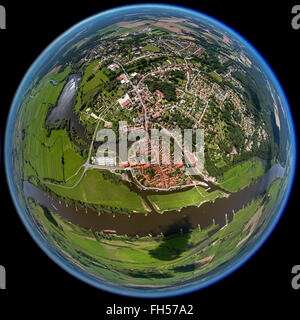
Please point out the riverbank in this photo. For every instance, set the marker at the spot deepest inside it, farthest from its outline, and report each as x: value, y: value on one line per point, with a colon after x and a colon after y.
x: 156, y: 223
x: 138, y: 261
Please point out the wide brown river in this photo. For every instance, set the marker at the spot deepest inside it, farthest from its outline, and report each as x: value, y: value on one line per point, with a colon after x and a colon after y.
x: 154, y: 223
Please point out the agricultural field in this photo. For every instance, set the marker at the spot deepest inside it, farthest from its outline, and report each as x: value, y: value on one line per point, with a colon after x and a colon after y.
x: 45, y: 152
x: 116, y: 258
x: 242, y: 175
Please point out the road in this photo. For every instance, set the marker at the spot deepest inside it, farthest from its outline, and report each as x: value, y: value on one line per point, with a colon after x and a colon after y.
x: 135, y: 88
x: 86, y: 165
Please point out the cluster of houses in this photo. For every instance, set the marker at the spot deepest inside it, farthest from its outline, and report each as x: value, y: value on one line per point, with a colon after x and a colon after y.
x: 152, y: 106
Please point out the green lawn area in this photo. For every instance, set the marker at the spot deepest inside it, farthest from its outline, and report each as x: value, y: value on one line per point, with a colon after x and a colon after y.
x: 228, y: 241
x: 117, y: 258
x: 221, y: 163
x: 242, y: 175
x: 46, y: 156
x: 72, y: 161
x: 151, y: 48
x: 93, y: 77
x: 94, y: 188
x: 159, y: 260
x: 99, y: 77
x: 217, y: 77
x: 73, y: 237
x: 176, y: 201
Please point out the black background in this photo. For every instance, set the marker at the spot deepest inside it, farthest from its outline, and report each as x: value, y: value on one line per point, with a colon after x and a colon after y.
x: 263, y: 284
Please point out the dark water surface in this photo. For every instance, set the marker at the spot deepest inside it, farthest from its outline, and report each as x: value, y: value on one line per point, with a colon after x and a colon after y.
x: 155, y: 223
x: 64, y: 107
x: 138, y: 223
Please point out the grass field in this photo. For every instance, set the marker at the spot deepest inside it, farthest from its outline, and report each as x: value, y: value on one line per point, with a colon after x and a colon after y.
x: 157, y: 261
x: 217, y: 77
x: 119, y: 259
x: 178, y: 200
x: 100, y: 77
x: 46, y: 157
x: 56, y: 158
x: 90, y: 86
x: 45, y: 153
x: 242, y: 175
x: 110, y: 28
x: 229, y: 241
x: 94, y: 188
x: 73, y: 161
x: 151, y: 48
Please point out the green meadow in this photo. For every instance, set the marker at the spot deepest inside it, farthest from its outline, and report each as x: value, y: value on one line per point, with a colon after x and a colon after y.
x: 242, y: 175
x: 54, y: 158
x: 96, y: 189
x: 176, y: 201
x: 45, y: 153
x: 216, y: 76
x: 151, y: 48
x: 161, y: 260
x: 94, y: 77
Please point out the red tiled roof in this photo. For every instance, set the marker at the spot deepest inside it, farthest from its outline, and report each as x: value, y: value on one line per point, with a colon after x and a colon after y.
x: 160, y: 93
x: 125, y: 103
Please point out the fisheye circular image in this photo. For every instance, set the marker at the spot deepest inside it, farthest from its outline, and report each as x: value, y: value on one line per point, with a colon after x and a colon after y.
x: 150, y: 150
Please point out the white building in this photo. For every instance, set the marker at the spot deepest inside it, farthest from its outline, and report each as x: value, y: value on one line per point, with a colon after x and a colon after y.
x: 124, y: 101
x: 104, y: 161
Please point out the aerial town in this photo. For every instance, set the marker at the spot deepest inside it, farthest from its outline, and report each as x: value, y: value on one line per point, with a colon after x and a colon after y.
x: 149, y: 148
x: 159, y: 81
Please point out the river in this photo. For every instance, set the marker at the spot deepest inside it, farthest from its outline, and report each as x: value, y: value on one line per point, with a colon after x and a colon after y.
x: 155, y: 223
x: 138, y: 223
